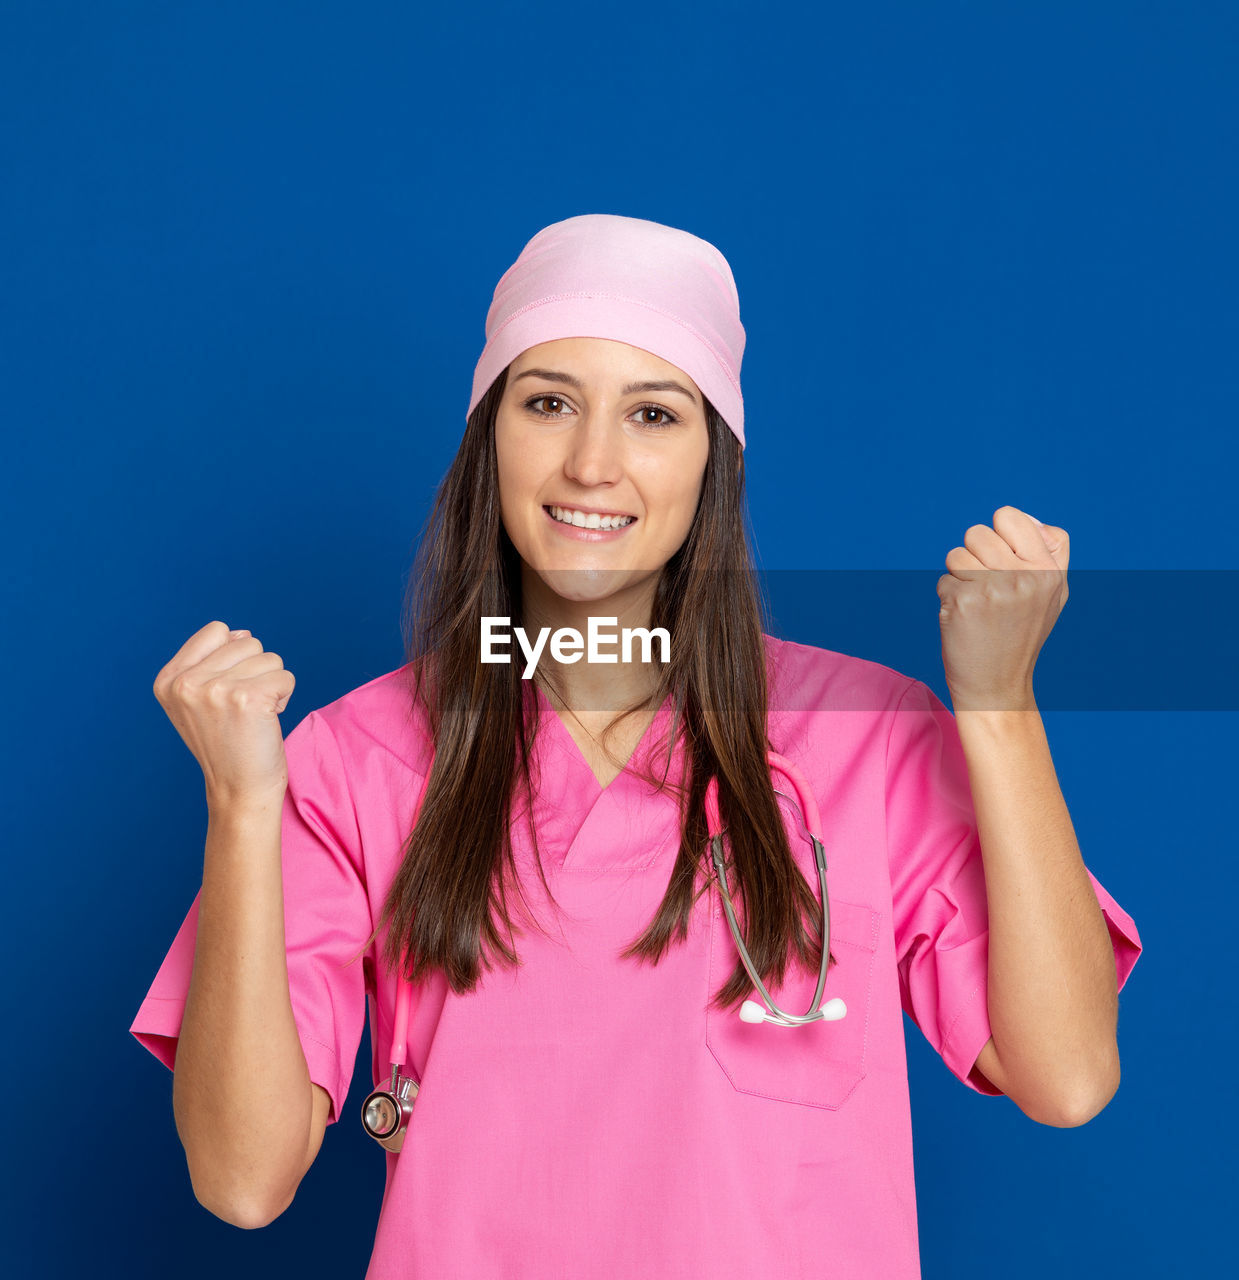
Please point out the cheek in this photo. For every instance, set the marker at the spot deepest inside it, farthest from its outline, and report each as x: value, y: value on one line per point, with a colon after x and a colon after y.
x: 688, y: 496
x: 508, y: 454
x: 509, y: 495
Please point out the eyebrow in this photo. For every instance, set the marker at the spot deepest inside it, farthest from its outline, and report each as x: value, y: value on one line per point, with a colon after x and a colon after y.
x: 551, y: 375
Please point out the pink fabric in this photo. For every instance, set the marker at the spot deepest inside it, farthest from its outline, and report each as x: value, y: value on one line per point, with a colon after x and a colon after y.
x: 600, y: 275
x: 569, y: 1108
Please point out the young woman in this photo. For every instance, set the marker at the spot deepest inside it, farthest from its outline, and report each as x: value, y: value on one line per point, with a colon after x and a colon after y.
x: 536, y: 872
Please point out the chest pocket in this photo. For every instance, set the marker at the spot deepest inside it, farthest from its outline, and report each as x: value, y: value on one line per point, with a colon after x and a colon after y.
x: 818, y: 1065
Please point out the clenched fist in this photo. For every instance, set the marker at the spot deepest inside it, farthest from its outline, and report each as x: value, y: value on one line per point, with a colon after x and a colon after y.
x: 224, y: 695
x: 1003, y: 594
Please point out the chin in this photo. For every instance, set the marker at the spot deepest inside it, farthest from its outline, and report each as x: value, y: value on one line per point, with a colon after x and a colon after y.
x: 583, y: 585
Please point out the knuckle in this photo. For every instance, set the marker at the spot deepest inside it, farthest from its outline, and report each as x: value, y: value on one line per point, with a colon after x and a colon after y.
x: 214, y: 691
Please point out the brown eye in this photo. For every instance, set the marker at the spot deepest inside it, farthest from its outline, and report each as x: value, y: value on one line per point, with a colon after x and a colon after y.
x: 668, y: 418
x: 538, y: 401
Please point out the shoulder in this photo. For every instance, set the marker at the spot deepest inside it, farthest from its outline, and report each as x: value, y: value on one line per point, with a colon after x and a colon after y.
x: 805, y: 677
x: 378, y: 717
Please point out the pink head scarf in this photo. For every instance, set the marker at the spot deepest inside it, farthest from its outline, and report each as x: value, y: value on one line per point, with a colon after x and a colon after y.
x: 601, y: 275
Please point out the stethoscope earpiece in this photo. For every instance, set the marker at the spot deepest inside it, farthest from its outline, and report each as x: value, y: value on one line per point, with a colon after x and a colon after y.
x: 831, y: 1011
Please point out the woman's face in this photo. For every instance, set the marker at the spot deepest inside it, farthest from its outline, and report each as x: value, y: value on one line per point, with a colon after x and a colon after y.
x: 580, y: 435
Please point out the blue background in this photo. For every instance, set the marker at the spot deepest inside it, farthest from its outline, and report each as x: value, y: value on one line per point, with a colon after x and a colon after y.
x: 985, y: 255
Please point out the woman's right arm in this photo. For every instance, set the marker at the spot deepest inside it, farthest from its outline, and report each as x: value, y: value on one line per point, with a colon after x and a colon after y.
x: 248, y: 1116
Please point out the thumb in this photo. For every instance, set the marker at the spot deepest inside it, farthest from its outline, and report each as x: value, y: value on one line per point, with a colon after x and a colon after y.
x: 1050, y: 534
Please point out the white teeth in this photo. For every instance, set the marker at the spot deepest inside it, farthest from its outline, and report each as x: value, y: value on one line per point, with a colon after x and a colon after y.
x: 565, y: 515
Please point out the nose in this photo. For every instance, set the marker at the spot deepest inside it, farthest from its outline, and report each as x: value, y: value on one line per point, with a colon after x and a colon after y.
x: 595, y: 452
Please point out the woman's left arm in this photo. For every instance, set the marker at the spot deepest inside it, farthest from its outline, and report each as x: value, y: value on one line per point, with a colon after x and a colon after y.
x: 1052, y: 990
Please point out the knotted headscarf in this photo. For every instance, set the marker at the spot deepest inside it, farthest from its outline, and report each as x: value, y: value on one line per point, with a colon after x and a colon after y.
x: 602, y: 275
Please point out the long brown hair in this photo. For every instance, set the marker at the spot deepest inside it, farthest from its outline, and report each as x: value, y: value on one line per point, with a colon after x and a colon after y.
x: 448, y: 903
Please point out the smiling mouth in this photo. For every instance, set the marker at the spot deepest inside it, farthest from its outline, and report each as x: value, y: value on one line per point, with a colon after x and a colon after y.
x: 588, y: 519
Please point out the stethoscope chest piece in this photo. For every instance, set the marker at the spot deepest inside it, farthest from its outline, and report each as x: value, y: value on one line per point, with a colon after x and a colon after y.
x: 385, y: 1113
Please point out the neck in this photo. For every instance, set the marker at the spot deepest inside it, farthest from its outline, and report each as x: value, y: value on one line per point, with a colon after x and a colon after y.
x: 584, y: 686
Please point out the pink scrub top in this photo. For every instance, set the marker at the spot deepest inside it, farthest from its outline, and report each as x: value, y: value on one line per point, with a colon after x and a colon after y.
x: 589, y: 1116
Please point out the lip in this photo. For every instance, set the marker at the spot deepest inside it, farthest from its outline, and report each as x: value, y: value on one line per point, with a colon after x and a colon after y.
x: 571, y: 532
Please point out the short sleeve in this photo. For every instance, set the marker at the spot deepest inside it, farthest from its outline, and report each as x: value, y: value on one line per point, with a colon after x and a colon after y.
x: 941, y: 916
x: 326, y: 921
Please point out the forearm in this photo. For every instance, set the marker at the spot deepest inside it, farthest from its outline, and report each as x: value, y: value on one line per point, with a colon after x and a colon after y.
x: 241, y: 1090
x: 1053, y: 1002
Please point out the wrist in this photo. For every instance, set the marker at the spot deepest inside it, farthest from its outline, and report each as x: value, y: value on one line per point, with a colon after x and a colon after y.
x: 245, y: 809
x: 992, y: 702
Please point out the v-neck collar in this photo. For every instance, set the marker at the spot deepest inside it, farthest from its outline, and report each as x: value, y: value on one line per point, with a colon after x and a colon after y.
x: 584, y: 826
x: 560, y: 737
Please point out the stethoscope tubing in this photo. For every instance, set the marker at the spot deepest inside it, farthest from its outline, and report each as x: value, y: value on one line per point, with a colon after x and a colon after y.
x: 813, y: 823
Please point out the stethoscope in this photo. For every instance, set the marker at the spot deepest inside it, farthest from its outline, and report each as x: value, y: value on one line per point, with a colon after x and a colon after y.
x: 750, y: 1010
x: 385, y: 1113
